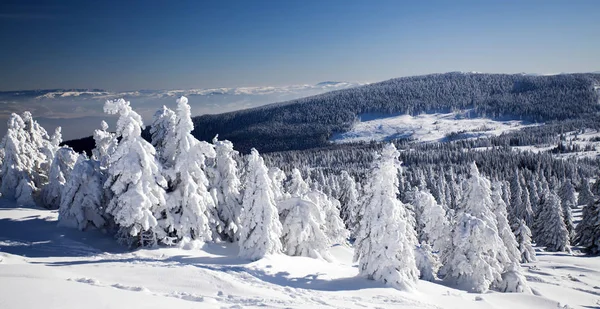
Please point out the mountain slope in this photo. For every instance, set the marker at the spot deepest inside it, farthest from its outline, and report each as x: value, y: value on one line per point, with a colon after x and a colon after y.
x: 311, y: 121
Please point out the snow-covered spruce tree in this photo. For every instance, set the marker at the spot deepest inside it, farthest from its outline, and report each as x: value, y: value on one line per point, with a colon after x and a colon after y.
x: 82, y: 202
x: 161, y: 130
x: 550, y: 229
x: 431, y: 223
x: 296, y: 186
x: 567, y: 194
x: 19, y: 161
x: 60, y: 170
x: 190, y: 212
x: 349, y: 202
x: 106, y: 144
x: 38, y: 139
x: 477, y: 249
x: 260, y: 229
x: 225, y: 187
x: 585, y: 194
x: 302, y: 233
x: 277, y: 177
x: 427, y: 262
x: 588, y: 230
x: 134, y: 178
x: 334, y: 228
x: 523, y: 237
x: 504, y: 230
x: 385, y: 243
x: 520, y: 205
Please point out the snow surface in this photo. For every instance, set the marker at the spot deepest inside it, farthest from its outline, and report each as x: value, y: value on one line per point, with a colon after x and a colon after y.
x: 44, y: 266
x: 425, y: 127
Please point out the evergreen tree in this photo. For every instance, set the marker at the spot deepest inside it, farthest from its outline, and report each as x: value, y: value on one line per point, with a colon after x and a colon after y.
x: 296, y: 186
x: 504, y: 230
x: 134, y: 178
x: 260, y: 229
x: 477, y: 249
x: 585, y: 194
x: 60, y: 170
x: 106, y: 144
x: 588, y: 230
x: 349, y: 202
x: 161, y: 131
x: 226, y: 186
x: 432, y: 225
x: 386, y: 241
x: 550, y: 229
x: 523, y: 237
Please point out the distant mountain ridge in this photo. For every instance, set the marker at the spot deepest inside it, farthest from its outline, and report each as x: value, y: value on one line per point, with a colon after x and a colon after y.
x: 310, y: 122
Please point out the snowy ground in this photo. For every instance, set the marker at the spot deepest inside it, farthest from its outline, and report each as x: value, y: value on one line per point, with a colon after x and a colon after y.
x: 424, y: 127
x: 43, y: 266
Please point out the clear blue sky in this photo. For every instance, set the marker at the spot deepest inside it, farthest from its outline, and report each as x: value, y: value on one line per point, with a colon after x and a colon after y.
x: 126, y: 45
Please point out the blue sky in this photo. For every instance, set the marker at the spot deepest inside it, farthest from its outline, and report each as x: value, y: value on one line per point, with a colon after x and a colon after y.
x: 129, y: 45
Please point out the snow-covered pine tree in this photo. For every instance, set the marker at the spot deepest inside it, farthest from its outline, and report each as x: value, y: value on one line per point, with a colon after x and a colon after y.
x: 585, y: 194
x: 334, y: 228
x: 427, y: 262
x: 226, y: 188
x: 60, y: 170
x: 190, y: 212
x: 567, y: 194
x: 385, y: 243
x: 19, y: 162
x: 296, y: 186
x: 260, y: 229
x: 277, y: 177
x: 504, y: 230
x: 431, y: 223
x: 38, y: 139
x: 302, y: 234
x: 477, y: 249
x: 550, y: 229
x: 106, y: 144
x: 82, y: 202
x: 349, y: 202
x: 588, y: 230
x: 523, y: 237
x: 161, y: 130
x: 134, y: 178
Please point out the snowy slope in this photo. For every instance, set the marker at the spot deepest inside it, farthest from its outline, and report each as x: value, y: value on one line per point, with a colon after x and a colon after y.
x: 425, y: 127
x: 43, y: 266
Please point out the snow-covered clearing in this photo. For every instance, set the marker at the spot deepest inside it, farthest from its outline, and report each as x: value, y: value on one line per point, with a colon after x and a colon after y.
x: 425, y: 127
x: 43, y: 266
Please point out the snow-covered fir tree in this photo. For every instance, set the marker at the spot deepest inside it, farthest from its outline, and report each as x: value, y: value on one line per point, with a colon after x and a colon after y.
x: 18, y: 165
x: 302, y: 233
x: 190, y: 211
x: 427, y: 263
x: 585, y: 194
x: 260, y: 229
x: 504, y: 229
x: 82, y: 202
x: 225, y: 187
x: 385, y: 243
x: 277, y: 177
x: 349, y: 202
x: 106, y: 144
x: 161, y: 130
x: 134, y: 178
x: 334, y: 228
x: 477, y: 249
x: 523, y: 237
x: 60, y: 170
x: 550, y: 229
x: 431, y: 222
x: 588, y: 230
x: 296, y: 186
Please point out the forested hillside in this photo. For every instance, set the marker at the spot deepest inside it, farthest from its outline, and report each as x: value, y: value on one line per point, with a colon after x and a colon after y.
x: 310, y: 122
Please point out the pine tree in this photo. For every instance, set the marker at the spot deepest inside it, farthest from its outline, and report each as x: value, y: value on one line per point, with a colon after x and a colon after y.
x: 550, y: 229
x: 523, y: 237
x: 349, y: 202
x: 302, y: 234
x: 477, y: 249
x: 82, y: 200
x: 431, y: 223
x: 134, y: 178
x: 334, y: 228
x: 277, y: 177
x: 60, y: 170
x: 588, y: 230
x: 296, y: 186
x: 585, y: 194
x: 226, y: 186
x: 260, y: 229
x: 386, y: 241
x: 161, y: 131
x: 504, y: 230
x: 106, y: 144
x: 190, y: 212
